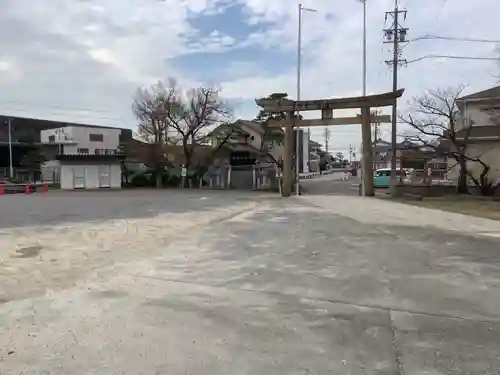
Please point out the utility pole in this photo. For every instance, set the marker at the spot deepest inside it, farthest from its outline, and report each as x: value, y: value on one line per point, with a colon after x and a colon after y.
x: 395, y: 35
x: 364, y: 80
x: 327, y: 137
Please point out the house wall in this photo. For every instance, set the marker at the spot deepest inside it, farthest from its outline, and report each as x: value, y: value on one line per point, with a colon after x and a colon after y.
x: 62, y: 135
x: 478, y: 113
x: 91, y: 175
x: 76, y: 139
x: 277, y: 151
x: 489, y: 152
x: 255, y: 138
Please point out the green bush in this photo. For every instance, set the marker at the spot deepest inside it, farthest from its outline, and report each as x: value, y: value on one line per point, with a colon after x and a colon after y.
x: 143, y: 180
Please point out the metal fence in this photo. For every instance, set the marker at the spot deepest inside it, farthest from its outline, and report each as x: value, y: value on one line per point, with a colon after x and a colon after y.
x: 247, y: 177
x: 19, y: 174
x: 50, y: 174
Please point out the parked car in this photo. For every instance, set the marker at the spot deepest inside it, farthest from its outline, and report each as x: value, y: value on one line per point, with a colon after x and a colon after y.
x: 382, y: 177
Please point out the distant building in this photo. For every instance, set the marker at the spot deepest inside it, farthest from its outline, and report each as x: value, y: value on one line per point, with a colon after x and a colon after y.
x: 83, y: 157
x: 82, y: 140
x: 29, y: 133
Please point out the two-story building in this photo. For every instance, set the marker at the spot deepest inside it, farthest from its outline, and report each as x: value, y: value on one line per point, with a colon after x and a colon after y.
x: 21, y: 135
x: 82, y: 140
x: 83, y: 157
x: 479, y: 126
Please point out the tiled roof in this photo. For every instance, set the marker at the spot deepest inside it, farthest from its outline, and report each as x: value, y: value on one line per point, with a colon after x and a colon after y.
x: 494, y: 92
x: 89, y: 157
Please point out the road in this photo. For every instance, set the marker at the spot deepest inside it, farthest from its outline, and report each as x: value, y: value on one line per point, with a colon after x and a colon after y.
x: 240, y: 283
x: 331, y: 184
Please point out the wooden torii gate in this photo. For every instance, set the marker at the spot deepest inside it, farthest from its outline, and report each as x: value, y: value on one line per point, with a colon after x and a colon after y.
x: 326, y: 107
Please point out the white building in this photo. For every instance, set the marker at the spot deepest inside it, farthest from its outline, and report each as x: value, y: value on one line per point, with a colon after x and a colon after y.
x: 83, y: 157
x: 83, y: 140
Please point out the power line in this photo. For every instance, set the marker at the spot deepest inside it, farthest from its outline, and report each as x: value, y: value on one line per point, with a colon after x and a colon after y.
x: 17, y: 102
x: 456, y: 39
x: 432, y: 56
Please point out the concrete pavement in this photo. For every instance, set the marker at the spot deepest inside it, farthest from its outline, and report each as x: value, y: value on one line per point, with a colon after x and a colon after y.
x: 331, y: 184
x: 310, y: 285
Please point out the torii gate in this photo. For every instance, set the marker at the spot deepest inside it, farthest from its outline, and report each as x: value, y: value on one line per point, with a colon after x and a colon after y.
x: 326, y: 107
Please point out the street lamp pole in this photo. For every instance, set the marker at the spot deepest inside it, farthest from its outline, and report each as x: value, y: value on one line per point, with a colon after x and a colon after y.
x: 364, y: 80
x: 299, y: 63
x: 364, y: 46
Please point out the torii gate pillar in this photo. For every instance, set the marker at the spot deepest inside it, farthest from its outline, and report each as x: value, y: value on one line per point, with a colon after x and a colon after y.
x: 367, y: 161
x: 288, y: 159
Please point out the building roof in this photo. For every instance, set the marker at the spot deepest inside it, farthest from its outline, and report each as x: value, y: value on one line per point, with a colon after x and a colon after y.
x: 50, y: 124
x: 314, y: 144
x: 89, y: 158
x: 23, y: 128
x: 493, y: 92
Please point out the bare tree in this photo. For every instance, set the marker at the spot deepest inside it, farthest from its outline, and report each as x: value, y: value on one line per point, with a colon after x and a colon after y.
x: 151, y: 106
x: 192, y: 114
x: 436, y: 124
x: 433, y: 119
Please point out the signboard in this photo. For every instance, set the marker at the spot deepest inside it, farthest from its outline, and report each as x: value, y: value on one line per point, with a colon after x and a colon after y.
x: 183, y: 172
x: 326, y: 114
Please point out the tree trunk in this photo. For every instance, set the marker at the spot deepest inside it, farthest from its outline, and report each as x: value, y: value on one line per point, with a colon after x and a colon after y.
x: 462, y: 187
x: 159, y: 177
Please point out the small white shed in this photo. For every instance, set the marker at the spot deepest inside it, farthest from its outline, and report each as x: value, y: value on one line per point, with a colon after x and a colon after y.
x: 90, y: 172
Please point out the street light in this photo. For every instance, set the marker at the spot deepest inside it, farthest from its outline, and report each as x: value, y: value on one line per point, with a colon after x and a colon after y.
x: 364, y: 77
x: 297, y: 129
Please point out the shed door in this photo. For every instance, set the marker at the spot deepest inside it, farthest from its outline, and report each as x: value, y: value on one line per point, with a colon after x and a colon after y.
x: 104, y: 176
x: 78, y: 177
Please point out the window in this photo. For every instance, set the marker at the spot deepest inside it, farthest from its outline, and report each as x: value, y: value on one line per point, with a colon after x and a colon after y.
x: 83, y: 150
x: 52, y: 138
x: 109, y: 151
x: 98, y: 151
x: 96, y: 137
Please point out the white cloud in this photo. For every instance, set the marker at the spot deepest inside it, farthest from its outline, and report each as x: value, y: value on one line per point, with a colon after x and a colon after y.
x: 63, y: 55
x: 332, y: 54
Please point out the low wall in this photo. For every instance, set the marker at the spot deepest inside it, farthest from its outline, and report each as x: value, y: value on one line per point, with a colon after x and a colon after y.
x: 430, y: 190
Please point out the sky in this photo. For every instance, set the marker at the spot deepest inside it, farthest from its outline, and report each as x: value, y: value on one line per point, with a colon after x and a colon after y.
x: 81, y: 60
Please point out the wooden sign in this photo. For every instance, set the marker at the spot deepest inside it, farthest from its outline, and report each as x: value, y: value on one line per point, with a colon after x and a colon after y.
x: 326, y: 114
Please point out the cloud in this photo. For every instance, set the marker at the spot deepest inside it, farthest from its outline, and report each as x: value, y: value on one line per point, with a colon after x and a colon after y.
x: 81, y: 60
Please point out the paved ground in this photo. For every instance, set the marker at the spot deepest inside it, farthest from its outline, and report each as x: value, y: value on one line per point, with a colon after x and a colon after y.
x: 310, y: 285
x: 332, y: 184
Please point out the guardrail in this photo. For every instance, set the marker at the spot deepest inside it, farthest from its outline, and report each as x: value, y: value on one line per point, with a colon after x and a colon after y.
x: 23, y: 188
